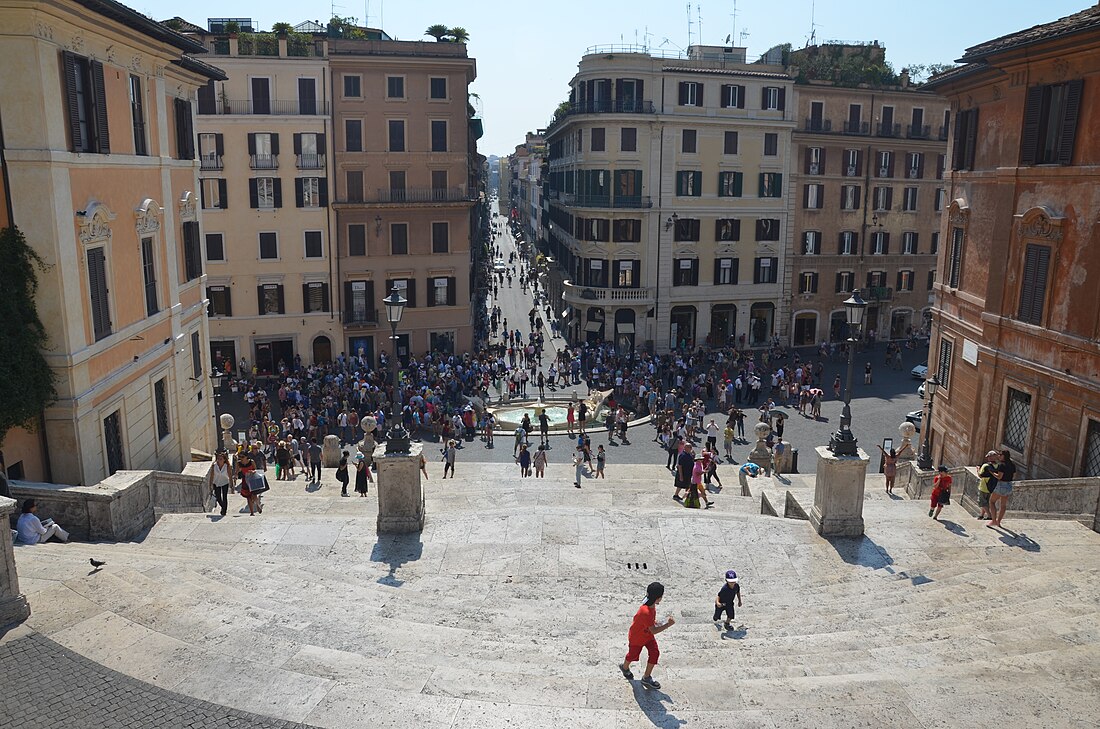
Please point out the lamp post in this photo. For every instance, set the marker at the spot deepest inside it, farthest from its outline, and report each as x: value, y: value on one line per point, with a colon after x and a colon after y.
x: 843, y: 443
x: 397, y: 438
x: 924, y: 461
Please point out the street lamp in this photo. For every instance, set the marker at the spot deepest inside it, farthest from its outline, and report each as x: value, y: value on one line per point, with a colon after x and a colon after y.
x: 843, y: 443
x: 924, y: 461
x: 397, y: 439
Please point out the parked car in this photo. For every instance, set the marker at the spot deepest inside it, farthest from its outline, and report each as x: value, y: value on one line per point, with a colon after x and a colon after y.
x: 915, y: 418
x: 920, y: 372
x: 920, y: 390
x: 498, y: 265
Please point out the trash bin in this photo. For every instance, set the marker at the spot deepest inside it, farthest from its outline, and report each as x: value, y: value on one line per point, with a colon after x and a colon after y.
x: 794, y: 460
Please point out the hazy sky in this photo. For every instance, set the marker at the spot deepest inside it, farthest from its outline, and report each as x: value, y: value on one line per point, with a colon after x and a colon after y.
x: 527, y: 52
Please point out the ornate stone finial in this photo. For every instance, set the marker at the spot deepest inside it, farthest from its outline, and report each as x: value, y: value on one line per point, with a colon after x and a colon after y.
x: 187, y: 206
x: 95, y: 223
x: 148, y: 216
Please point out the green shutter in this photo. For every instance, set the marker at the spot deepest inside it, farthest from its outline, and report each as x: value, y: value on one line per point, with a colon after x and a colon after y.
x: 698, y: 179
x: 738, y: 183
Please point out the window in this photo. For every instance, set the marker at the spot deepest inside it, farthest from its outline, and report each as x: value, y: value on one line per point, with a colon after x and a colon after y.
x: 627, y: 274
x: 773, y: 98
x: 811, y: 243
x: 1017, y: 427
x: 269, y: 246
x: 271, y: 299
x: 627, y: 231
x: 313, y: 245
x: 309, y: 147
x: 876, y: 279
x: 354, y: 183
x: 845, y: 281
x: 730, y: 184
x: 598, y: 139
x: 307, y: 96
x: 767, y: 229
x: 112, y: 442
x: 914, y: 164
x: 405, y: 287
x: 954, y: 261
x: 595, y: 273
x: 311, y: 192
x: 395, y: 87
x: 885, y: 164
x: 771, y: 184
x: 813, y: 197
x: 192, y: 251
x: 353, y: 135
x: 86, y: 104
x: 221, y: 303
x: 315, y: 297
x: 437, y: 87
x: 359, y: 302
x: 725, y: 271
x: 727, y: 229
x: 815, y: 160
x: 941, y: 195
x: 771, y: 144
x: 399, y: 239
x: 261, y: 95
x: 397, y: 185
x: 884, y: 198
x: 137, y: 113
x: 880, y: 244
x: 689, y: 183
x: 439, y: 179
x: 263, y: 150
x: 909, y: 243
x: 1033, y: 287
x: 211, y: 148
x: 935, y: 244
x: 215, y: 247
x: 943, y: 371
x: 850, y: 196
x: 853, y: 163
x: 357, y: 239
x: 807, y: 283
x: 628, y: 139
x: 685, y: 272
x: 441, y: 291
x: 352, y: 85
x: 905, y: 281
x: 733, y: 96
x: 149, y: 276
x: 941, y: 165
x: 213, y: 194
x: 766, y: 271
x: 729, y: 143
x: 396, y: 129
x: 909, y: 200
x: 160, y: 400
x: 628, y: 187
x: 688, y: 142
x: 686, y: 229
x: 441, y: 237
x: 849, y: 241
x: 1050, y: 123
x: 931, y: 279
x: 265, y: 193
x: 1090, y: 458
x: 966, y: 140
x: 439, y: 135
x: 691, y: 93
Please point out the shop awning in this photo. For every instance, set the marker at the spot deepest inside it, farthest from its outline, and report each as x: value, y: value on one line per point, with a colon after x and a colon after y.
x: 593, y: 326
x: 625, y: 328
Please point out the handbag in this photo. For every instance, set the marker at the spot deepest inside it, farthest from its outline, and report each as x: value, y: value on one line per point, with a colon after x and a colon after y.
x: 256, y: 483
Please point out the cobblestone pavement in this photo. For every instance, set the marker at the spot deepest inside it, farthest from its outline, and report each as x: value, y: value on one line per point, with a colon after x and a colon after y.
x: 46, y: 685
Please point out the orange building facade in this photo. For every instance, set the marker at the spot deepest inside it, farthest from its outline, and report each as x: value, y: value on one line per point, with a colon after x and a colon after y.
x: 1016, y: 331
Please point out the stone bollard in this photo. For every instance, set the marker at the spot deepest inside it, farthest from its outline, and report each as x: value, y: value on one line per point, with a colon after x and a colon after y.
x: 760, y: 455
x: 330, y: 452
x: 400, y: 492
x: 906, y: 430
x: 13, y: 605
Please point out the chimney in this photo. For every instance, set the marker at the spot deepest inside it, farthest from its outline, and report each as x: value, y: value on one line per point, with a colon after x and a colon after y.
x: 904, y: 78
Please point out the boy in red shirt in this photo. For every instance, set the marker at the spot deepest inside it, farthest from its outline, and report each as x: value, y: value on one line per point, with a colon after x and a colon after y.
x: 643, y: 632
x: 941, y: 492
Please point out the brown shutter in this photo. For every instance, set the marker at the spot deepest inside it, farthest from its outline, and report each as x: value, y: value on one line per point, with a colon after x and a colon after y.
x: 299, y: 196
x: 282, y: 301
x: 971, y: 137
x: 1069, y: 121
x: 322, y: 192
x: 223, y: 192
x: 260, y: 299
x: 228, y: 301
x: 859, y: 163
x: 764, y: 98
x: 305, y: 298
x: 102, y: 137
x: 920, y: 166
x: 297, y: 143
x: 805, y: 196
x: 253, y: 193
x: 275, y: 143
x: 821, y: 162
x: 412, y: 292
x: 277, y: 188
x: 782, y: 99
x: 72, y: 102
x: 251, y: 144
x: 683, y: 93
x: 1029, y: 138
x: 219, y: 144
x: 452, y: 291
x: 740, y: 97
x: 806, y: 167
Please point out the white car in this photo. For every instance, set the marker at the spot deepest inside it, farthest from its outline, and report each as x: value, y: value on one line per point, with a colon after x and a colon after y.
x: 915, y: 418
x: 920, y: 372
x: 498, y: 265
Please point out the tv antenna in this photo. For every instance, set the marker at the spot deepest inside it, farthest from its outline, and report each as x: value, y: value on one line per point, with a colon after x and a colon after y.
x: 689, y: 24
x: 733, y: 32
x: 813, y: 25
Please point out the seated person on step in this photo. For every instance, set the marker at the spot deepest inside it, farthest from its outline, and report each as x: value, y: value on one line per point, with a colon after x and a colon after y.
x: 34, y: 531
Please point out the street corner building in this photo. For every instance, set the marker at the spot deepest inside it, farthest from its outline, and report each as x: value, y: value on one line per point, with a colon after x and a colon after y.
x: 96, y: 102
x: 1016, y: 334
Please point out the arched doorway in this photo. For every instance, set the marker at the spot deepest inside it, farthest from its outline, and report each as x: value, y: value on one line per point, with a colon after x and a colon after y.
x: 901, y: 321
x: 681, y: 327
x: 723, y: 324
x: 805, y: 329
x: 761, y: 323
x: 624, y: 330
x: 322, y: 350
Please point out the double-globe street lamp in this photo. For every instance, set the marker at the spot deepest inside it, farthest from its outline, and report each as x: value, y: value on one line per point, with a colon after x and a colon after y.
x: 397, y: 438
x: 842, y: 442
x: 924, y: 460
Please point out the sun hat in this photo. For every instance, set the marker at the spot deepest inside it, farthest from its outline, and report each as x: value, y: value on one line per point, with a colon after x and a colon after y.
x: 731, y: 576
x: 992, y: 454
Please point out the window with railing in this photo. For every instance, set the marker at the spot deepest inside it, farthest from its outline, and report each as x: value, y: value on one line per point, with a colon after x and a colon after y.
x: 1017, y: 422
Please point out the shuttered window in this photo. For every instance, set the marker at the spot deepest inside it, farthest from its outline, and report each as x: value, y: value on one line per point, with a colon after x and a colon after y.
x: 730, y: 184
x: 689, y: 183
x: 954, y: 261
x: 86, y: 104
x: 160, y: 404
x: 399, y: 239
x: 691, y: 93
x: 966, y: 140
x: 185, y: 130
x: 725, y: 271
x: 149, y: 276
x: 1033, y: 287
x: 315, y: 297
x: 733, y: 96
x: 767, y: 229
x: 686, y: 229
x: 192, y: 252
x: 766, y: 270
x: 1050, y: 123
x: 97, y: 287
x: 357, y: 240
x: 729, y: 143
x: 221, y: 301
x: 137, y: 113
x: 313, y: 244
x: 441, y: 237
x: 727, y: 229
x: 270, y: 299
x: 441, y: 291
x: 685, y: 272
x: 943, y: 371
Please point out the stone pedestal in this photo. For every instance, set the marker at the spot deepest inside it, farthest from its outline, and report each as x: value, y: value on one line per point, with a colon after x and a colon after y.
x: 400, y: 493
x: 13, y: 605
x: 838, y: 494
x: 761, y: 455
x: 330, y: 452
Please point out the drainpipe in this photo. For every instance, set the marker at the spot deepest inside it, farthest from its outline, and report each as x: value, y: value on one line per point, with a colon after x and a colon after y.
x: 336, y: 292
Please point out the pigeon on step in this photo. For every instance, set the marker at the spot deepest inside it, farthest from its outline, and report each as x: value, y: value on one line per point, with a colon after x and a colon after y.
x: 96, y: 563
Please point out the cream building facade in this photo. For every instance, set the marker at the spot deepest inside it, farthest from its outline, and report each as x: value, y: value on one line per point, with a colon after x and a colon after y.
x: 97, y: 104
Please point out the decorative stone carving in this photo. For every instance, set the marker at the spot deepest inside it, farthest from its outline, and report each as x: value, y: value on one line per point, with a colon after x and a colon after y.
x: 95, y: 223
x: 1040, y: 222
x: 111, y: 53
x: 187, y: 206
x: 958, y: 214
x: 44, y: 31
x: 135, y: 63
x: 148, y: 217
x: 77, y: 43
x: 1061, y: 69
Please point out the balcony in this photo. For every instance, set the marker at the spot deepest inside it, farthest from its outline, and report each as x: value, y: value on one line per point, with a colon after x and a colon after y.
x: 263, y: 161
x: 880, y: 293
x: 311, y: 161
x: 857, y: 127
x: 888, y: 130
x: 587, y: 295
x: 818, y: 126
x: 414, y: 195
x: 943, y: 133
x: 210, y: 161
x: 919, y: 131
x: 608, y: 106
x: 361, y: 317
x: 623, y: 202
x: 299, y: 107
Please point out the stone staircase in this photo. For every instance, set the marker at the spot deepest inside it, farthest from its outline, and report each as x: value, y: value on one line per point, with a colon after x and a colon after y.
x: 511, y: 609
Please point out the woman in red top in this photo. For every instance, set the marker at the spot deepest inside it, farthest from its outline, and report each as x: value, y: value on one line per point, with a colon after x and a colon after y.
x: 941, y: 492
x: 643, y: 632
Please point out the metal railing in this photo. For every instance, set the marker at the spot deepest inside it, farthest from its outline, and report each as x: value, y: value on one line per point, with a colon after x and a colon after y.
x: 943, y: 133
x: 210, y: 162
x: 263, y: 161
x: 861, y: 127
x: 919, y: 131
x: 612, y: 106
x: 311, y: 161
x: 889, y: 130
x: 606, y: 201
x: 299, y: 107
x: 361, y: 317
x: 422, y: 195
x: 818, y: 125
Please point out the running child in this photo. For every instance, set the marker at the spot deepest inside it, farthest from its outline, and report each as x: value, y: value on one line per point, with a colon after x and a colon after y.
x: 724, y: 602
x: 643, y: 633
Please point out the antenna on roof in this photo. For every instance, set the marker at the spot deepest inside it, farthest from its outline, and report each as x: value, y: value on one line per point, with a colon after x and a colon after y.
x: 699, y: 17
x: 733, y: 32
x: 813, y: 25
x: 689, y: 23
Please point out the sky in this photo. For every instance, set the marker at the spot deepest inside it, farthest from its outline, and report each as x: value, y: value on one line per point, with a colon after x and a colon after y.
x: 527, y: 52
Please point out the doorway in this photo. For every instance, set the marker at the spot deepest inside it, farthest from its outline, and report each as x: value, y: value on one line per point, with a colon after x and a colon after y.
x: 681, y: 327
x: 363, y: 349
x: 624, y: 330
x: 322, y: 350
x: 805, y: 330
x: 223, y: 356
x: 270, y: 356
x: 723, y: 324
x: 900, y: 322
x: 762, y: 321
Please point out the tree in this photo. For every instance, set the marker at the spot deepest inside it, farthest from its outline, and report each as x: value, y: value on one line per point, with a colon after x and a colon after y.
x: 458, y: 35
x: 921, y: 72
x: 437, y: 31
x: 282, y: 28
x: 28, y: 384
